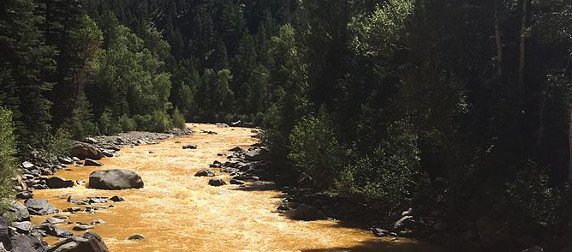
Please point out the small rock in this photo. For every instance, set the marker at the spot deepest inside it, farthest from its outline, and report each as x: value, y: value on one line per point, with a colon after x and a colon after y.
x: 65, y: 160
x: 82, y: 227
x: 54, y: 221
x: 22, y: 227
x: 108, y: 153
x: 72, y: 209
x: 98, y: 222
x: 24, y: 195
x: 27, y: 165
x: 90, y: 140
x: 136, y: 237
x: 116, y: 199
x: 236, y: 182
x: 190, y: 146
x: 205, y: 173
x: 379, y: 232
x: 97, y: 200
x: 237, y: 149
x: 91, y: 162
x: 216, y: 182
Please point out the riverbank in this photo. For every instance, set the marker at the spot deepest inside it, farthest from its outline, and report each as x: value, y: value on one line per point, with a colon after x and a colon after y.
x: 177, y: 211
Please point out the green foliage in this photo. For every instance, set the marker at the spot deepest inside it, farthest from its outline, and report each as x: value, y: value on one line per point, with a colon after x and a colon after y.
x: 178, y: 119
x: 315, y: 150
x: 391, y: 174
x: 8, y: 167
x: 530, y: 193
x: 159, y: 121
x: 127, y: 124
x: 58, y: 144
x: 108, y: 125
x: 379, y: 33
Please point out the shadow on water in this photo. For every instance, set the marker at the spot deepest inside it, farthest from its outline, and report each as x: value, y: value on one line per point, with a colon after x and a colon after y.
x: 379, y: 245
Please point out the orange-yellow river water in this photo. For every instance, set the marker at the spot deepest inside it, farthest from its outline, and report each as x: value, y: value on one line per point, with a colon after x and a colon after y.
x: 176, y: 211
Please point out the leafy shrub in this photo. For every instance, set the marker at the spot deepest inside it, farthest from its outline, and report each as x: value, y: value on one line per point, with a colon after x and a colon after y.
x: 178, y: 119
x: 108, y: 125
x: 314, y: 149
x: 159, y: 121
x: 127, y: 124
x: 59, y: 143
x: 530, y: 192
x: 390, y: 174
x: 7, y: 160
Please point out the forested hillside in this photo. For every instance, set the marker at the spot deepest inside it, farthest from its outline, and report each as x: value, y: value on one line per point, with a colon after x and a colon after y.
x: 459, y: 108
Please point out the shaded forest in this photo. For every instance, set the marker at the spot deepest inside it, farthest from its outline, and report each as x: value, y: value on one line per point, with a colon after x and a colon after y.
x: 460, y: 109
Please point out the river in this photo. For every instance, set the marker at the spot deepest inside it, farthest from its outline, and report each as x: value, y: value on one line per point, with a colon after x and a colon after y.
x: 176, y: 211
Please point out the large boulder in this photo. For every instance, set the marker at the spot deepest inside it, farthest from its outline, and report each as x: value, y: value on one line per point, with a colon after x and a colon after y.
x: 116, y: 179
x: 85, y: 150
x: 57, y: 182
x: 27, y: 243
x: 40, y: 207
x: 18, y: 212
x: 88, y: 242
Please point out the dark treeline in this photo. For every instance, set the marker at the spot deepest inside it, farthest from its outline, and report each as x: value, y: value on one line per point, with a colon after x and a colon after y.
x: 461, y: 106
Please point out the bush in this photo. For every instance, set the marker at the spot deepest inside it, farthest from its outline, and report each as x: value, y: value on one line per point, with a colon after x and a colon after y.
x: 390, y: 175
x: 127, y: 124
x: 314, y: 149
x: 530, y: 193
x: 108, y: 125
x: 159, y: 121
x: 8, y: 168
x: 58, y: 144
x: 178, y: 119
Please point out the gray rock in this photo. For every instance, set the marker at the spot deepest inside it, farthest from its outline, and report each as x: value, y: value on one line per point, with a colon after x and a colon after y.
x: 18, y: 211
x: 205, y: 173
x: 40, y: 207
x: 90, y: 140
x: 91, y: 162
x: 190, y: 146
x: 98, y: 222
x: 88, y: 242
x: 24, y: 195
x: 27, y: 165
x: 26, y: 243
x: 115, y: 180
x: 22, y: 227
x: 85, y: 150
x: 236, y: 182
x: 116, y: 199
x: 82, y: 227
x: 65, y: 160
x: 136, y: 237
x: 108, y: 153
x: 216, y: 182
x: 57, y: 182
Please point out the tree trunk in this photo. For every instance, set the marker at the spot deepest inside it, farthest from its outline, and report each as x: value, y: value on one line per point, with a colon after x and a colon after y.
x: 498, y: 38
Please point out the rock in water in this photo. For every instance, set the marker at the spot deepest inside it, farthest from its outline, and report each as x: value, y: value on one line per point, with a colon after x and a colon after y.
x: 136, y: 237
x: 57, y: 182
x: 84, y: 150
x: 216, y: 182
x: 205, y: 173
x: 40, y: 207
x: 116, y: 179
x: 88, y: 242
x: 91, y: 162
x: 190, y: 146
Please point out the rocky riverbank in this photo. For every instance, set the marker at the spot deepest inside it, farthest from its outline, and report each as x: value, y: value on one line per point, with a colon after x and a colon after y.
x: 17, y: 234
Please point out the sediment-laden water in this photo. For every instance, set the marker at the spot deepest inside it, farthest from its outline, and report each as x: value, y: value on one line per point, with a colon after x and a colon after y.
x: 179, y: 212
